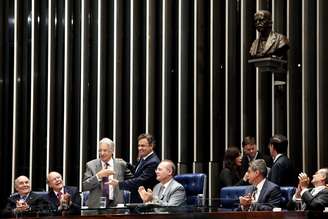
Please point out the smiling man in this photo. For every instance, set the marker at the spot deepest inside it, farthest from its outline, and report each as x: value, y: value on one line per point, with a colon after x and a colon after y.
x: 62, y: 198
x: 315, y: 199
x: 24, y: 202
x: 99, y: 174
x: 167, y: 192
x: 144, y: 173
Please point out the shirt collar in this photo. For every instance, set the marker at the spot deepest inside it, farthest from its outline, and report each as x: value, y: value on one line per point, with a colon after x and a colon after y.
x: 260, y: 185
x: 62, y: 191
x: 276, y: 158
x: 110, y: 162
x: 145, y: 157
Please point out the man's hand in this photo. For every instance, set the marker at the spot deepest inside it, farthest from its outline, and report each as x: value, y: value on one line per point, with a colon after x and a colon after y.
x: 21, y: 206
x: 304, y: 181
x: 245, y: 200
x: 105, y: 172
x: 146, y: 196
x: 113, y: 182
x: 245, y: 178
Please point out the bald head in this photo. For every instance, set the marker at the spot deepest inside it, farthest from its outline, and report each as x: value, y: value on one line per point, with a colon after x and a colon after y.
x: 55, y: 181
x: 22, y: 185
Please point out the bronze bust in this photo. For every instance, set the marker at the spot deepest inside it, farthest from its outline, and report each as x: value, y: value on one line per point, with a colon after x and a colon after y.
x: 269, y: 43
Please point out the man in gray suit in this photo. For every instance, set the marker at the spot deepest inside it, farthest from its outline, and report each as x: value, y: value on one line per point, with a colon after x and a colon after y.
x: 99, y: 172
x: 167, y: 192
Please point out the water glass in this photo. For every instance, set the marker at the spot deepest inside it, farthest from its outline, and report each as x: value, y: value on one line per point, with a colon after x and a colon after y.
x: 102, y: 202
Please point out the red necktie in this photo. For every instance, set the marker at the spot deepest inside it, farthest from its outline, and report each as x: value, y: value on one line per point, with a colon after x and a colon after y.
x: 59, y: 194
x: 105, y: 189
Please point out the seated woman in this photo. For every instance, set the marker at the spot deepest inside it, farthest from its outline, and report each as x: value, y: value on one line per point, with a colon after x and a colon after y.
x: 231, y: 173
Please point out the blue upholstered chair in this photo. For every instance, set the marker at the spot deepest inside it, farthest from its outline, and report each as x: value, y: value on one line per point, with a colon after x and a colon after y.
x: 286, y: 195
x: 229, y: 196
x: 195, y: 186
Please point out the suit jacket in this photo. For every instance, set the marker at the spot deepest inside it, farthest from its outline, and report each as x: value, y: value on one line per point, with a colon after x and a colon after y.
x: 174, y: 194
x: 75, y: 206
x: 270, y: 197
x: 91, y: 183
x: 273, y: 44
x: 36, y: 202
x: 283, y: 172
x: 245, y: 161
x: 317, y: 202
x: 143, y: 176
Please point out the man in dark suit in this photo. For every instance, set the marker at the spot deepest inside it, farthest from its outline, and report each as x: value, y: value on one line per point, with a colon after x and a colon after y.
x: 24, y: 202
x: 100, y: 172
x: 282, y: 172
x: 144, y: 173
x: 263, y: 195
x: 251, y: 153
x: 62, y: 199
x: 315, y: 199
x: 167, y: 192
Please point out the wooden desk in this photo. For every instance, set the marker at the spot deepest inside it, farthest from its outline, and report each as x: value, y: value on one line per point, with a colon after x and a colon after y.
x: 201, y: 215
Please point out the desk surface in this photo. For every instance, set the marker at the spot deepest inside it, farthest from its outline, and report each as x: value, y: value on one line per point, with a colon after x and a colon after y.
x: 200, y: 215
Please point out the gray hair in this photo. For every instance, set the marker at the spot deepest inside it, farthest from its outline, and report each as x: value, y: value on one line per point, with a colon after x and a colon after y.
x: 259, y: 165
x: 324, y: 173
x: 110, y: 143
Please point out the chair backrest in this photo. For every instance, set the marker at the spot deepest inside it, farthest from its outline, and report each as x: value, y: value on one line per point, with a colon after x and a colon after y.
x: 287, y: 193
x: 195, y: 186
x: 229, y: 196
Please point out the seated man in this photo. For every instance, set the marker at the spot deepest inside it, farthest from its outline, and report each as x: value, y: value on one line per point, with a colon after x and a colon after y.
x: 317, y: 197
x: 62, y: 198
x: 24, y: 202
x: 167, y: 192
x: 264, y: 195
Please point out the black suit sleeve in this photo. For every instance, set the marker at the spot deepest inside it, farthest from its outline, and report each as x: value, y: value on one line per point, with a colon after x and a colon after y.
x: 315, y: 203
x: 147, y: 175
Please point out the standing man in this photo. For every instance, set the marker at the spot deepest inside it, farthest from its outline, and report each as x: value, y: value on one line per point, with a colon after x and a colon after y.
x: 167, y: 192
x: 144, y: 173
x: 315, y: 199
x: 99, y: 172
x: 251, y: 153
x: 62, y: 198
x: 263, y: 195
x: 283, y: 172
x: 24, y: 202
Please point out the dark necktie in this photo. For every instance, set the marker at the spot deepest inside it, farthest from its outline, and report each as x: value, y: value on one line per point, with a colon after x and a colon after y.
x: 140, y: 164
x: 254, y: 193
x: 160, y: 192
x: 105, y: 186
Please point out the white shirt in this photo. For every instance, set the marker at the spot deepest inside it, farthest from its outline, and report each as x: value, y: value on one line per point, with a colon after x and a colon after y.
x: 166, y: 185
x: 314, y: 191
x: 259, y: 188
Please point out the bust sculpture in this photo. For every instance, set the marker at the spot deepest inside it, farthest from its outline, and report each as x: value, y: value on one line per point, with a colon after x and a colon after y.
x: 269, y: 43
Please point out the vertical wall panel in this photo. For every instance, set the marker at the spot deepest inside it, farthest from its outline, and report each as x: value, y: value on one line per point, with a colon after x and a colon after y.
x: 322, y: 82
x: 72, y: 72
x: 309, y: 133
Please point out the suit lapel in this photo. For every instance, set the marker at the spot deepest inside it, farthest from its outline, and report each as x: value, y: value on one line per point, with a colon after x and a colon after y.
x: 270, y: 41
x: 263, y: 190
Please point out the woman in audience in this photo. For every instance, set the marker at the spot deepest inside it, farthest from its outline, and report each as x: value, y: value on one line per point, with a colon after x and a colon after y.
x: 231, y: 173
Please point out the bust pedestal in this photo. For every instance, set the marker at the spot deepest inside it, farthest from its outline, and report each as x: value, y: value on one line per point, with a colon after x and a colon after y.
x: 271, y: 97
x: 269, y: 64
